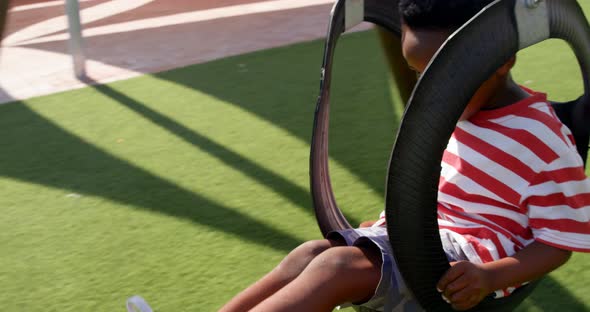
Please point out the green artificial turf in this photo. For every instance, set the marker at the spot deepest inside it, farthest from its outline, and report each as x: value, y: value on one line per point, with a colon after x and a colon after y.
x: 188, y: 185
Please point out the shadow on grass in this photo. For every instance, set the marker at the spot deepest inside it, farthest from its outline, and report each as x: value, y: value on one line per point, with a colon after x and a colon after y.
x: 550, y: 295
x: 35, y: 150
x: 288, y: 189
x: 281, y: 86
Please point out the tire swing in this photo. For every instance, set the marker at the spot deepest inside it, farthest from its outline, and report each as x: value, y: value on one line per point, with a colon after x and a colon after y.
x: 495, y: 34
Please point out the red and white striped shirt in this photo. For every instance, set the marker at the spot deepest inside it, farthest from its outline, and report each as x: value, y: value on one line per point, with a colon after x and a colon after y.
x: 511, y: 176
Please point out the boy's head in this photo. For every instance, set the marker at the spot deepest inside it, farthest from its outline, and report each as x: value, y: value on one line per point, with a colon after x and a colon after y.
x: 439, y: 14
x: 426, y: 24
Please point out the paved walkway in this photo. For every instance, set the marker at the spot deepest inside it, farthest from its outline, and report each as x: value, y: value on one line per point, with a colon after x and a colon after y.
x: 126, y: 38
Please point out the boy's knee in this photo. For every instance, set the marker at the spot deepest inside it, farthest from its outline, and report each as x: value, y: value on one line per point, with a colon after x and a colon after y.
x: 311, y: 249
x: 298, y: 259
x: 346, y: 260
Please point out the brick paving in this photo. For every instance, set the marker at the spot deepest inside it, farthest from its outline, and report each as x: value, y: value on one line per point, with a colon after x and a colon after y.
x: 126, y: 38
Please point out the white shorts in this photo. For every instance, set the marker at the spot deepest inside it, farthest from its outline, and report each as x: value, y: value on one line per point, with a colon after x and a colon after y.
x: 391, y: 294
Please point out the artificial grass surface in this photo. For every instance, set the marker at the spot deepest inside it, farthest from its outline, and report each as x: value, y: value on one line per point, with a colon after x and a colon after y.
x: 186, y: 186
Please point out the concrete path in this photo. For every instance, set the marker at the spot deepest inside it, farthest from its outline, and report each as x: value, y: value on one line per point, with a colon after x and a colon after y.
x: 126, y: 38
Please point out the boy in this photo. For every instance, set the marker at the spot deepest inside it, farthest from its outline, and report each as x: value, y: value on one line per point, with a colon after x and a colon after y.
x: 513, y: 201
x: 503, y: 220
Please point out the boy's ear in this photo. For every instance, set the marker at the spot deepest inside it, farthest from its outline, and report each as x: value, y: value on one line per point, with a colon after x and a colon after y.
x: 504, y: 70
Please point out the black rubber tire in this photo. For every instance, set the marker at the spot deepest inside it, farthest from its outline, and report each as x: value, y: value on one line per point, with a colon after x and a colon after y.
x: 428, y: 123
x: 431, y: 116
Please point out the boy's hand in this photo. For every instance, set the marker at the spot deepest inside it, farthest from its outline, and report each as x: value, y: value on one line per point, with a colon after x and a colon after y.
x: 464, y: 285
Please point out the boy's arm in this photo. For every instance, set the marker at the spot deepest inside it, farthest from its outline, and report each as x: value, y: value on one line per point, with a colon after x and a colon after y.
x: 369, y: 223
x: 465, y: 284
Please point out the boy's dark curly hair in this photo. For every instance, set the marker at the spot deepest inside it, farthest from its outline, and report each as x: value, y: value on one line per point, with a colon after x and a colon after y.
x: 439, y: 14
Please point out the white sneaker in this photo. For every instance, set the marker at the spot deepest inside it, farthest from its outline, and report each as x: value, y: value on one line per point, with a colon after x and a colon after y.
x: 138, y: 304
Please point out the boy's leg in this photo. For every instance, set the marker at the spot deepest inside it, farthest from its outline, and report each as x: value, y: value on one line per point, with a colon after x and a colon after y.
x: 293, y: 264
x: 336, y: 276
